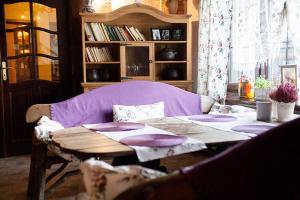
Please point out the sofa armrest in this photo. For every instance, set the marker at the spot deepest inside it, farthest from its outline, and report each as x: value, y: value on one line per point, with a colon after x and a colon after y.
x: 206, y: 103
x: 36, y: 111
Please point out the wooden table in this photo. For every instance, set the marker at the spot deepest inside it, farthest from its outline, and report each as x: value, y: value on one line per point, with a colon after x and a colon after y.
x: 84, y: 143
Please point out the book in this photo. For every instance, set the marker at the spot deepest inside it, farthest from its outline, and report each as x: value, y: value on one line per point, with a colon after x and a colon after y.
x: 97, y: 59
x: 101, y: 55
x: 87, y: 50
x: 140, y: 35
x: 127, y: 34
x: 106, y: 51
x: 134, y: 33
x: 95, y: 31
x: 132, y: 36
x: 122, y: 35
x: 113, y: 36
x: 120, y: 38
x: 101, y: 32
x: 105, y: 31
x: 88, y: 32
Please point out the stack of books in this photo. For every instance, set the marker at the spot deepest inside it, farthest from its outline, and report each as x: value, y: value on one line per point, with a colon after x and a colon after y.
x: 95, y: 31
x: 98, y: 54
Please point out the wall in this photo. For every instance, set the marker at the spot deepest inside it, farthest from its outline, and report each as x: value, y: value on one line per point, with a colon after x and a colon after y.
x: 75, y: 46
x: 193, y: 9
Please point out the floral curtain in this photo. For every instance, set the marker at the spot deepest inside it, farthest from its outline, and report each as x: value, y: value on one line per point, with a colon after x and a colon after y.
x: 293, y: 20
x: 245, y: 38
x: 214, y: 46
x: 257, y: 26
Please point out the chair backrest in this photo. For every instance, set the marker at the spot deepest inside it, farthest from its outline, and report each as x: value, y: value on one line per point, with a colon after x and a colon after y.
x: 96, y: 106
x: 265, y: 167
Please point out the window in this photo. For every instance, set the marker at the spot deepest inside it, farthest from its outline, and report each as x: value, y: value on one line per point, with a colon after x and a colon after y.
x: 248, y: 34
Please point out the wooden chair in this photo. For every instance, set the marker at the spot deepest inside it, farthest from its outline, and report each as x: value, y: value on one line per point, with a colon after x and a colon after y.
x: 265, y: 167
x: 42, y: 158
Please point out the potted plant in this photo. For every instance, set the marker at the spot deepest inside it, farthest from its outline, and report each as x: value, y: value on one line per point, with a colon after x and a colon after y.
x: 286, y: 96
x: 262, y: 88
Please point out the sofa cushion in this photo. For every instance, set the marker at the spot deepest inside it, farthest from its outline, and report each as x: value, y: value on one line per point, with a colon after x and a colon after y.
x: 123, y: 113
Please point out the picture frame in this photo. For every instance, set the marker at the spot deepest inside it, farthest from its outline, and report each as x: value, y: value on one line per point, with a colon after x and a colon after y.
x: 289, y: 74
x: 177, y: 34
x: 155, y: 34
x: 165, y: 34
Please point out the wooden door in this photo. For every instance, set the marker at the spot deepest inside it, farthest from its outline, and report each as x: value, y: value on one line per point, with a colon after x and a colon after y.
x: 34, y: 65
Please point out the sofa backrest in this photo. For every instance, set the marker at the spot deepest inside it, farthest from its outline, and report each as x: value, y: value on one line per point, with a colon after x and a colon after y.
x: 96, y: 106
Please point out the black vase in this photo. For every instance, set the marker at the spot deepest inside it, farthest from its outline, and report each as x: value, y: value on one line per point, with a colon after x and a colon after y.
x: 105, y: 75
x: 93, y: 75
x: 173, y: 73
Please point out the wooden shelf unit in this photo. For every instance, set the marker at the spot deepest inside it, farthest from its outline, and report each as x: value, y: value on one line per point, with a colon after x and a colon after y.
x: 138, y: 60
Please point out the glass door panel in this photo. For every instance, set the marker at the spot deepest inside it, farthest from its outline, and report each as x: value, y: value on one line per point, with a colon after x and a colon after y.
x: 136, y: 61
x: 44, y: 17
x: 48, y: 69
x: 47, y: 43
x: 18, y: 41
x: 20, y: 69
x: 17, y: 12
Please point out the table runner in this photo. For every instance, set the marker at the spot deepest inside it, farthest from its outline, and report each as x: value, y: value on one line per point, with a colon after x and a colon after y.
x: 151, y: 153
x: 248, y: 118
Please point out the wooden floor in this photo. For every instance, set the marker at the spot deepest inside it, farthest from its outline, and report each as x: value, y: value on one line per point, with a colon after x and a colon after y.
x: 14, y: 176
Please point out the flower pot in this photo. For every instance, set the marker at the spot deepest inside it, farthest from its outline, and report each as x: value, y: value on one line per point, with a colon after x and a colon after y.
x: 274, y: 110
x: 261, y: 93
x: 285, y: 111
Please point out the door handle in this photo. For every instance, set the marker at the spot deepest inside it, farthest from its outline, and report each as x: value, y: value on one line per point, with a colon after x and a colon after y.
x: 4, y: 66
x: 4, y: 73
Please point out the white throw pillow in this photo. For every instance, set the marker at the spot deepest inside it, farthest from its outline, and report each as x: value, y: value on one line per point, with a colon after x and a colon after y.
x: 135, y: 113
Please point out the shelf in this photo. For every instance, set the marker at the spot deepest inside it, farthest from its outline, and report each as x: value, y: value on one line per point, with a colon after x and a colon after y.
x: 102, y: 42
x: 120, y: 42
x: 176, y: 81
x: 170, y: 61
x: 169, y: 41
x: 106, y: 63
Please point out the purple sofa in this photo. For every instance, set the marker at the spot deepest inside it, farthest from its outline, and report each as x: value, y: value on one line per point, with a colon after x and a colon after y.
x: 96, y: 106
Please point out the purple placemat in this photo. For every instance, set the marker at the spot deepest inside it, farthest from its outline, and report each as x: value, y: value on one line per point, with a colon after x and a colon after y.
x: 213, y: 118
x: 255, y: 129
x: 117, y: 126
x: 154, y: 140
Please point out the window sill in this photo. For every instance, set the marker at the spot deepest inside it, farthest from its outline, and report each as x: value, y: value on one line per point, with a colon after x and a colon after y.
x: 234, y: 99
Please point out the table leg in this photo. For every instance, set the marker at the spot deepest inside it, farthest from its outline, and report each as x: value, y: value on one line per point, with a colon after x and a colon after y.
x: 37, y: 181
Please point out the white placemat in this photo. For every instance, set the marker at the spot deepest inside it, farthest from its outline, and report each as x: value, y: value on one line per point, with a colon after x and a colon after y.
x: 248, y: 118
x: 150, y: 153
